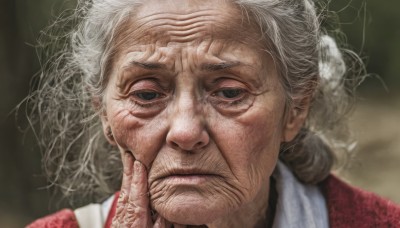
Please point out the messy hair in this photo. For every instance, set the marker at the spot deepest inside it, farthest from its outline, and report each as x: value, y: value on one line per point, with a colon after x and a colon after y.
x: 78, y: 50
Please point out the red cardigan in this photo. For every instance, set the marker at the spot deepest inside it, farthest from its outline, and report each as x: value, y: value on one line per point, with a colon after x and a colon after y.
x: 347, y: 207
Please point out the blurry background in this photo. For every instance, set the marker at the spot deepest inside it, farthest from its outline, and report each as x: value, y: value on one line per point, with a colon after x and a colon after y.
x: 372, y: 29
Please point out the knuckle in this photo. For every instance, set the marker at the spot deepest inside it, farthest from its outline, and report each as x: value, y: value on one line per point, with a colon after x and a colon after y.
x: 119, y: 212
x: 136, y: 212
x: 133, y: 219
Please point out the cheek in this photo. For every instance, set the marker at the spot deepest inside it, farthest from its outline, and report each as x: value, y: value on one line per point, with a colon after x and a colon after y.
x: 141, y: 137
x: 250, y: 144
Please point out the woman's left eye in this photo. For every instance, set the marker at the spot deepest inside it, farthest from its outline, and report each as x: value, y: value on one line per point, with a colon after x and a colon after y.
x: 231, y: 100
x: 229, y: 93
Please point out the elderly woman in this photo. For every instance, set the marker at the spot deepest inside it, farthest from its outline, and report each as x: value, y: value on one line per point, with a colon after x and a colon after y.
x: 224, y: 113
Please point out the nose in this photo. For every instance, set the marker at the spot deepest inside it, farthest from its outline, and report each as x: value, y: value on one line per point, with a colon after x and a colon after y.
x: 187, y: 126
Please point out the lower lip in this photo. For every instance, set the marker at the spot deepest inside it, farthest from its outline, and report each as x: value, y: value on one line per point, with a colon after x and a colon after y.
x: 189, y: 179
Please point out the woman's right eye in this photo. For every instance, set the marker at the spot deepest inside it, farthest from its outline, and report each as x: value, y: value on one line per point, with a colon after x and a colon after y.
x: 147, y: 102
x: 146, y: 92
x: 147, y: 95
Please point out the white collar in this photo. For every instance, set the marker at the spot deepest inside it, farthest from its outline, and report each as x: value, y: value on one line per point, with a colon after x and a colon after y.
x: 298, y: 205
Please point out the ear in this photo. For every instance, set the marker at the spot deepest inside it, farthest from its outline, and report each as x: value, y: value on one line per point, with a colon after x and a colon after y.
x: 296, y: 116
x: 104, y: 121
x: 107, y: 129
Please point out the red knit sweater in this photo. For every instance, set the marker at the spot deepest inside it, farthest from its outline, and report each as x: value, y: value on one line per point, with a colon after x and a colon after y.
x: 347, y: 207
x: 352, y: 207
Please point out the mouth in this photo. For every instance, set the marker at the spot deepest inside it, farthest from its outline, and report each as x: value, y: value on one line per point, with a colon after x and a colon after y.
x: 188, y: 176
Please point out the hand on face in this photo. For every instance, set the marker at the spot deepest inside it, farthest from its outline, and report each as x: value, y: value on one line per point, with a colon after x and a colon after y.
x: 133, y: 208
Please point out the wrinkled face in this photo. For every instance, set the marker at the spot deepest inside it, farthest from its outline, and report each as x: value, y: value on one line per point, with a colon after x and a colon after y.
x: 193, y: 97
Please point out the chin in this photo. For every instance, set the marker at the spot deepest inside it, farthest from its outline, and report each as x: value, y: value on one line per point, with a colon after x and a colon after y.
x: 192, y: 208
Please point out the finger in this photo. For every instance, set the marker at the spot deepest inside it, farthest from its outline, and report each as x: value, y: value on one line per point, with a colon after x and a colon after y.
x: 125, y: 187
x: 128, y: 172
x: 138, y: 209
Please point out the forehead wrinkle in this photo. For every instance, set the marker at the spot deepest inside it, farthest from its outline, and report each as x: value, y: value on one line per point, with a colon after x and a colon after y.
x: 173, y: 20
x: 216, y: 24
x: 180, y: 18
x: 178, y: 25
x: 179, y: 34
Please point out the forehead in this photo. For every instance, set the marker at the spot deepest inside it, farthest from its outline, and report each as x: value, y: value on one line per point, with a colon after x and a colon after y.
x: 181, y: 6
x: 166, y: 21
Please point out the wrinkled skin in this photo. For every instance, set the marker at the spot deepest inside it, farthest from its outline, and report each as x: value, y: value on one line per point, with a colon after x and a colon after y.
x: 198, y: 112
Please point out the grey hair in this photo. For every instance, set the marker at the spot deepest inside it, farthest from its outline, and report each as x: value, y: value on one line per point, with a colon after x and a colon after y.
x: 66, y: 104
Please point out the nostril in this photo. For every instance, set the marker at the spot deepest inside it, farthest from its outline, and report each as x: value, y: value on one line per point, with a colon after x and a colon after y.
x: 196, y: 146
x: 174, y: 144
x: 199, y: 144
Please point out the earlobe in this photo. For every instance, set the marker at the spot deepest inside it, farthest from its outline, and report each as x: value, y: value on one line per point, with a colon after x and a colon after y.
x: 295, y: 119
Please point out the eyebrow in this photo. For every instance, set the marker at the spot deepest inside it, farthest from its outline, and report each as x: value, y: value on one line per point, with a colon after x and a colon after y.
x: 219, y: 66
x: 204, y: 67
x: 148, y: 65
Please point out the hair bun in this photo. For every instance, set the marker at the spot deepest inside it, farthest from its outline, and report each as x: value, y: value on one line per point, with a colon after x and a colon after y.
x: 331, y: 65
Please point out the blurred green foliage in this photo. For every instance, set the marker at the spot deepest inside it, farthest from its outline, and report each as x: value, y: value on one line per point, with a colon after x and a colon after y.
x: 372, y: 28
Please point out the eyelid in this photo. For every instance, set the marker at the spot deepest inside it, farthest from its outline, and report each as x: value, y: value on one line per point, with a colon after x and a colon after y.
x: 230, y: 86
x: 148, y: 83
x: 230, y: 83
